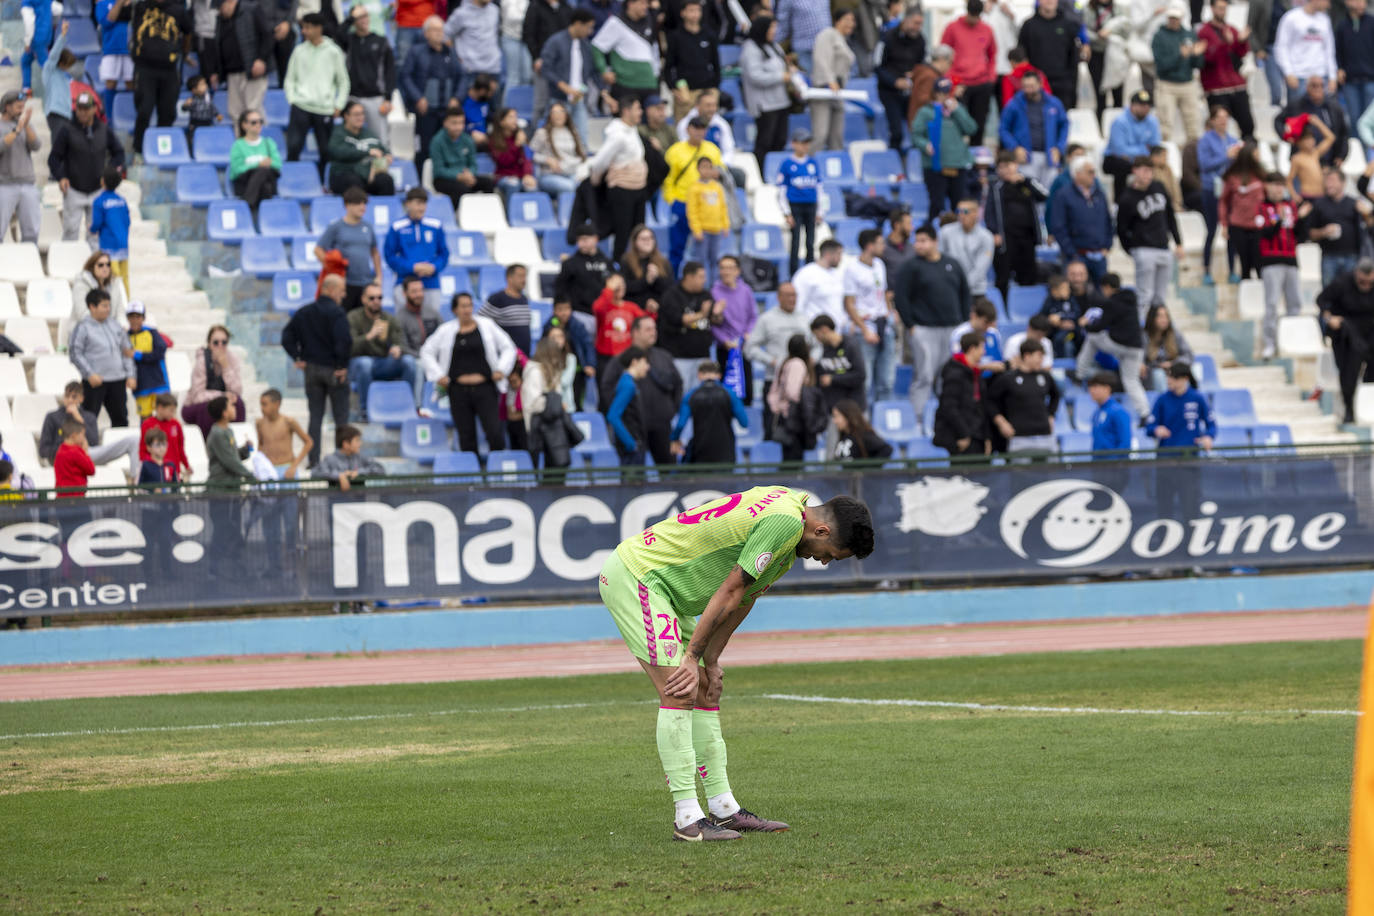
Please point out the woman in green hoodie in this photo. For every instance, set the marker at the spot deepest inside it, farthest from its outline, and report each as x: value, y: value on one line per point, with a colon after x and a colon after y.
x: 940, y: 131
x: 357, y: 157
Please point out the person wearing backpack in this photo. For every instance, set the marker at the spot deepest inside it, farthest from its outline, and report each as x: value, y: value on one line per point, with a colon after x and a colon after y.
x: 797, y: 404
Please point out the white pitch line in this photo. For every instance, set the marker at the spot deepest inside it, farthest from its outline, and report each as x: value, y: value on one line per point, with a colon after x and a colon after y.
x: 272, y: 723
x: 1081, y: 710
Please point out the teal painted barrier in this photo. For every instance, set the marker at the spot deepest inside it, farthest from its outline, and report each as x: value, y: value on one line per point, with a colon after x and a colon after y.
x: 511, y: 626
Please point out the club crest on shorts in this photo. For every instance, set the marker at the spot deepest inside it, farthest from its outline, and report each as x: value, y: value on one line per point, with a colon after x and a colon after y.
x: 762, y: 562
x: 670, y: 649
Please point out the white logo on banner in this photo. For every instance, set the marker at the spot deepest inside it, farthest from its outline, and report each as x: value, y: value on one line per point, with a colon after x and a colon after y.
x: 941, y: 506
x: 1084, y: 535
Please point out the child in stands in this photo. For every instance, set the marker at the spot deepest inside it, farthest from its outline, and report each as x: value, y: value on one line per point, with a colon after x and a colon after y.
x: 73, y: 466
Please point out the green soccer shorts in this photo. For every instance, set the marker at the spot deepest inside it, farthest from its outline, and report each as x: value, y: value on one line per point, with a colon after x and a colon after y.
x: 654, y: 632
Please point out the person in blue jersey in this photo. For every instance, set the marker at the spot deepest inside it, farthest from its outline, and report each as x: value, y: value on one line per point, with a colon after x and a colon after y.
x: 710, y: 406
x: 116, y: 66
x: 799, y: 181
x: 38, y: 37
x: 623, y: 417
x: 1182, y: 422
x: 416, y: 246
x: 1111, y: 421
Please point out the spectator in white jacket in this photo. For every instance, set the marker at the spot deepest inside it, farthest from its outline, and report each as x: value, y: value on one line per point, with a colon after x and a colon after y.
x: 470, y: 358
x: 620, y: 166
x: 1306, y: 46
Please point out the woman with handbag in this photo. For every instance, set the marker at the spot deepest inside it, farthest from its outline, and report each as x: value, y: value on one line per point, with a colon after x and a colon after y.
x: 766, y: 80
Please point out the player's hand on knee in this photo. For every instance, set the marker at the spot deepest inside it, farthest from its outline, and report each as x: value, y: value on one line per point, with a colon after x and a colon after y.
x: 682, y: 683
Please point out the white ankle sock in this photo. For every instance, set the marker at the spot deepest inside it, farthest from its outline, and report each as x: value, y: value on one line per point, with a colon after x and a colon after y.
x: 688, y: 811
x: 722, y: 805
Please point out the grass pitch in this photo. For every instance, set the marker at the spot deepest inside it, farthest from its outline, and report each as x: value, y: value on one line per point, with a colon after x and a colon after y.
x: 476, y: 797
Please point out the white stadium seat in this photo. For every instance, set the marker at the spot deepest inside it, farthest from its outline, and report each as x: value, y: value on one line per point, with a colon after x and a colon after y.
x: 49, y: 299
x: 23, y: 448
x: 178, y: 370
x: 1250, y: 299
x: 483, y: 213
x: 9, y: 301
x: 20, y: 263
x: 29, y: 334
x: 28, y: 411
x: 1300, y: 336
x: 515, y: 246
x: 12, y: 378
x: 65, y: 259
x: 52, y: 373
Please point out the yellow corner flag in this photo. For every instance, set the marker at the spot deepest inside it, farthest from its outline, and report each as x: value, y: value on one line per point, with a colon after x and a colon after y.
x: 1360, y: 896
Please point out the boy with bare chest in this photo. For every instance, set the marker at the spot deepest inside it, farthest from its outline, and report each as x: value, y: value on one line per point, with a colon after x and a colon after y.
x: 276, y: 433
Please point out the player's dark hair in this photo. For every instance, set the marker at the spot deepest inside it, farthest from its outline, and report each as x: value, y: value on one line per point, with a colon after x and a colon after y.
x: 851, y: 525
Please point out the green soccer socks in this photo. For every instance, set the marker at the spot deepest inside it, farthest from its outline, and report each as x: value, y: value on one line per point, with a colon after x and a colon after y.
x: 675, y: 751
x: 710, y: 754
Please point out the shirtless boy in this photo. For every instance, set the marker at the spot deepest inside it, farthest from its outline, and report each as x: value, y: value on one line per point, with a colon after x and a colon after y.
x: 275, y: 434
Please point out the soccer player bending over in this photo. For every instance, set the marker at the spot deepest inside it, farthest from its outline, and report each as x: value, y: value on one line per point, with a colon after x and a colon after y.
x: 678, y: 589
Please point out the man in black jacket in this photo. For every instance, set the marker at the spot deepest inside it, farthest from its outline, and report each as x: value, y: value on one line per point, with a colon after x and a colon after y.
x: 1335, y: 226
x: 961, y: 421
x: 1012, y: 219
x: 931, y: 295
x: 902, y: 48
x: 684, y: 320
x: 318, y: 341
x: 1114, y: 328
x: 543, y: 20
x: 840, y: 371
x: 660, y: 392
x: 243, y: 46
x: 712, y: 408
x: 582, y: 277
x: 371, y: 71
x: 80, y: 152
x: 1347, y: 313
x: 1050, y: 39
x: 157, y: 32
x: 691, y: 62
x: 1023, y: 402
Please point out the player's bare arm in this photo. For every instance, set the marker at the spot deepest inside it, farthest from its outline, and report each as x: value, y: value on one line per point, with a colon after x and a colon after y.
x: 723, y: 610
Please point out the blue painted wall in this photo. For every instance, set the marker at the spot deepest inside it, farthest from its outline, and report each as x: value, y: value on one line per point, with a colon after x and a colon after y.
x: 450, y: 629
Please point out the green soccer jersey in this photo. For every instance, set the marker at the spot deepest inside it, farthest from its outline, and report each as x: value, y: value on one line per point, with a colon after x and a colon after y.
x: 686, y: 558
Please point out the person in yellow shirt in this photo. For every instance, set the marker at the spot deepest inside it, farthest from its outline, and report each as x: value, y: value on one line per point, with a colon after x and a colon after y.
x: 708, y: 217
x: 682, y: 158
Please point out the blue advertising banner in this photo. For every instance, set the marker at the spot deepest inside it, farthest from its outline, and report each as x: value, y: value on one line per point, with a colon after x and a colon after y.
x: 980, y: 524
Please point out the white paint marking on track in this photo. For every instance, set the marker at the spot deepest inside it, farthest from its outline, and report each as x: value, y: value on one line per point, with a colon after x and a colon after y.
x: 1077, y: 710
x: 273, y: 723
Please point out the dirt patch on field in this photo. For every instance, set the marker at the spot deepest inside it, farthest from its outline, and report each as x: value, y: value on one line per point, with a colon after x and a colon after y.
x: 22, y: 771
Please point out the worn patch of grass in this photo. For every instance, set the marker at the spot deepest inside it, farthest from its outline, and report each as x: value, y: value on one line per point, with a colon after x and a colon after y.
x: 459, y: 798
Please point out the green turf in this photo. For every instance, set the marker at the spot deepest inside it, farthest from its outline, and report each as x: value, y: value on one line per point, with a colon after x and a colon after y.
x: 453, y: 800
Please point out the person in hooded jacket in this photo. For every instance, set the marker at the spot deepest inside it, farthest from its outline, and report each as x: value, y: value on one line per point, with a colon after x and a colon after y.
x: 961, y: 420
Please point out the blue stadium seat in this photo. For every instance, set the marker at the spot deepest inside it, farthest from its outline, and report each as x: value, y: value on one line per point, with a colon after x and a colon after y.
x: 798, y: 121
x: 772, y: 162
x: 928, y: 414
x: 540, y: 313
x: 122, y: 113
x: 276, y: 111
x: 82, y: 39
x: 441, y: 208
x: 1024, y: 301
x: 729, y: 57
x: 1233, y: 407
x: 1272, y: 439
x: 404, y: 176
x: 521, y: 98
x: 1234, y: 440
x: 509, y: 463
x: 485, y: 164
x: 77, y: 9
x: 1074, y: 443
x: 381, y: 213
x: 913, y: 165
x: 323, y: 211
x: 836, y: 165
x: 857, y: 126
x: 92, y: 70
x: 423, y: 440
x: 882, y: 166
x: 744, y: 129
x: 895, y: 421
x: 1083, y: 409
x: 165, y: 148
x: 595, y: 436
x: 924, y: 449
x: 292, y: 290
x: 565, y: 205
x: 303, y: 253
x: 229, y: 221
x: 491, y: 278
x: 763, y: 241
x: 468, y: 248
x: 281, y: 219
x: 916, y: 197
x: 1205, y: 371
x: 553, y: 243
x: 278, y: 136
x: 730, y: 86
x: 466, y: 465
x: 846, y: 231
x: 765, y: 452
x: 299, y: 181
x: 531, y: 210
x: 901, y: 383
x: 263, y: 256
x: 994, y: 295
x: 753, y: 433
x: 454, y: 280
x: 866, y: 84
x: 198, y: 184
x: 211, y: 144
x: 390, y: 403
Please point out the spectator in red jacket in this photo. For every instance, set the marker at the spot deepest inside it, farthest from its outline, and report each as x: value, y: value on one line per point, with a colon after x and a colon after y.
x: 72, y: 466
x: 615, y: 317
x: 1011, y: 83
x: 1226, y: 48
x: 975, y: 63
x: 165, y: 418
x: 506, y: 142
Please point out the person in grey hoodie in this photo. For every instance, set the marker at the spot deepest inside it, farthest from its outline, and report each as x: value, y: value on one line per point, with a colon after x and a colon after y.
x: 100, y: 350
x: 474, y: 29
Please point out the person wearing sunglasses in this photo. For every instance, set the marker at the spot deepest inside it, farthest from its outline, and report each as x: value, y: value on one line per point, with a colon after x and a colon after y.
x: 98, y: 273
x: 254, y: 161
x: 215, y: 372
x: 377, y: 340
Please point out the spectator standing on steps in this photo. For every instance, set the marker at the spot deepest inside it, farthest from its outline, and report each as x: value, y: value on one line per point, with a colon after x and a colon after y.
x: 1050, y: 38
x: 971, y: 246
x: 376, y: 353
x: 18, y: 142
x: 471, y: 357
x: 416, y: 245
x: 474, y: 28
x: 1347, y: 315
x: 100, y: 350
x: 833, y: 60
x: 510, y: 308
x: 767, y: 343
x: 901, y: 49
x: 243, y: 43
x: 429, y: 86
x: 352, y: 237
x: 799, y: 185
x: 1335, y: 226
x: 975, y: 64
x: 660, y: 390
x: 157, y: 33
x: 371, y: 69
x: 80, y: 153
x: 931, y: 295
x: 1011, y: 217
x: 940, y: 131
x: 1023, y: 401
x: 1035, y: 126
x: 961, y: 420
x: 1134, y: 133
x: 1111, y: 422
x: 684, y: 320
x: 566, y: 69
x: 316, y: 86
x: 1082, y: 223
x: 318, y: 341
x: 543, y: 20
x: 1144, y: 222
x: 710, y: 407
x: 868, y: 304
x: 1178, y: 56
x: 1305, y: 45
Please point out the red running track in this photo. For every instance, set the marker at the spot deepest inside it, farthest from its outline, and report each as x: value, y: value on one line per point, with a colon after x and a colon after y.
x: 608, y: 657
